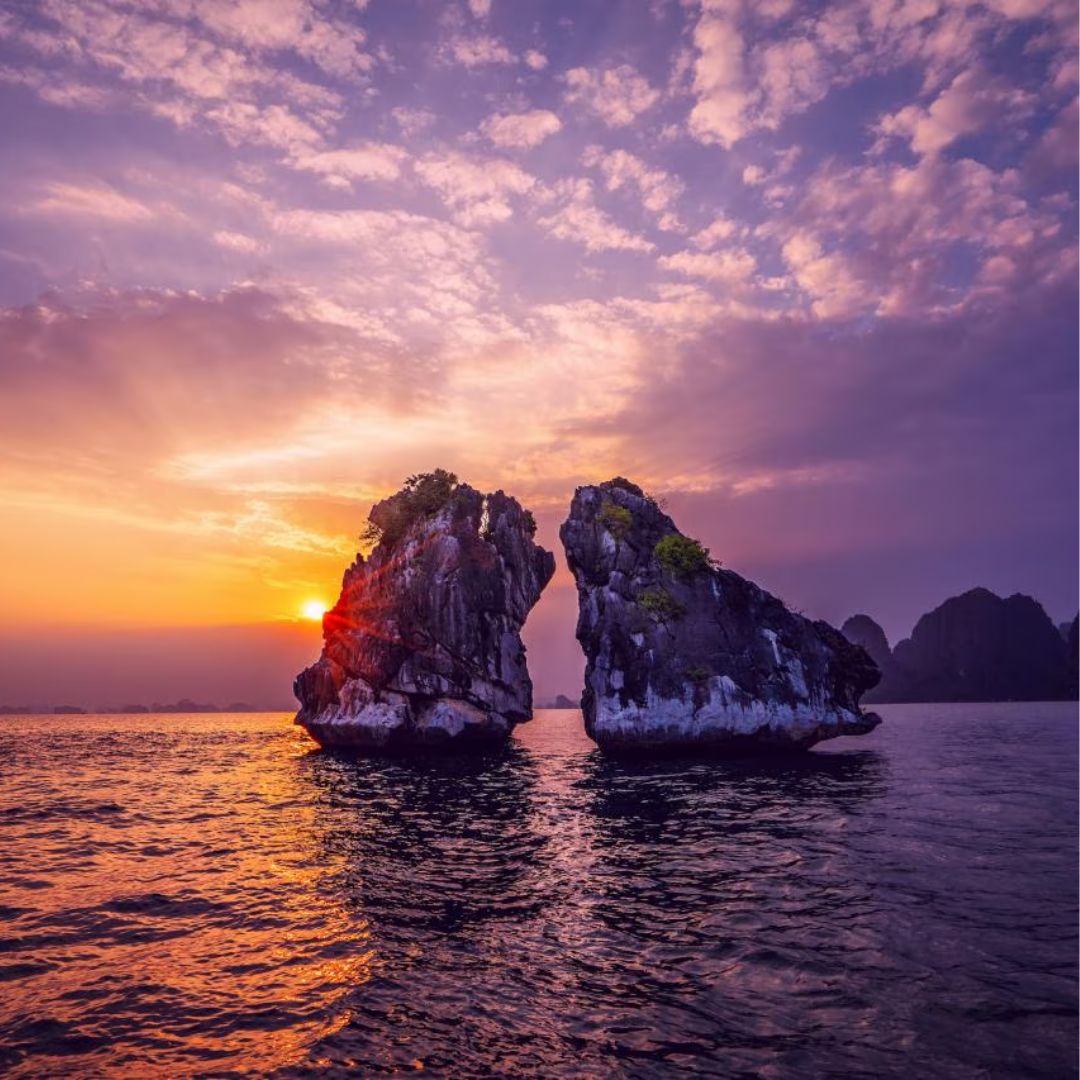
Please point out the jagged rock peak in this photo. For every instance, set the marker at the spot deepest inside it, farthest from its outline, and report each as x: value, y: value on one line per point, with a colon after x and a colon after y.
x: 683, y: 655
x: 423, y: 646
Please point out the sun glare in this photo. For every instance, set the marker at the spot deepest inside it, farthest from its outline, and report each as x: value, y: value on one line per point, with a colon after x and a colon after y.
x: 313, y: 609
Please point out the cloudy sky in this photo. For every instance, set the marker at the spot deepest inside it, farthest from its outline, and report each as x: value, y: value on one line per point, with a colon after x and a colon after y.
x: 807, y: 270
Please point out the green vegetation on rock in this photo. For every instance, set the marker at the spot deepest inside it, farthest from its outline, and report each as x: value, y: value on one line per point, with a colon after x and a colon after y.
x: 682, y: 557
x: 423, y: 496
x: 660, y: 604
x: 616, y: 519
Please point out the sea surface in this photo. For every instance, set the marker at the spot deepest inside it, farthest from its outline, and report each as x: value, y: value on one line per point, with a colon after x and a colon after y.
x: 208, y: 895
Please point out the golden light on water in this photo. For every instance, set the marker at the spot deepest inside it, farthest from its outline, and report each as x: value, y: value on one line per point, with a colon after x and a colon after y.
x: 313, y: 609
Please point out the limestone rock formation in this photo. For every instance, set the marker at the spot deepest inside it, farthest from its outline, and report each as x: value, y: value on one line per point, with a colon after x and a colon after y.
x: 683, y: 655
x: 423, y: 647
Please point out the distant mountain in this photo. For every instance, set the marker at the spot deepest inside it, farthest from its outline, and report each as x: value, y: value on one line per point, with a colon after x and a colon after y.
x: 973, y: 647
x: 862, y: 630
x: 561, y: 702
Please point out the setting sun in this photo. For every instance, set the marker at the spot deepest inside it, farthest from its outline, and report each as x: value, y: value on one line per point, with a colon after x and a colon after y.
x: 313, y: 609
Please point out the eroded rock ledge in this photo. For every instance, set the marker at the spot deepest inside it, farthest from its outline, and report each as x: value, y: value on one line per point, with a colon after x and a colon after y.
x: 683, y: 655
x: 423, y: 647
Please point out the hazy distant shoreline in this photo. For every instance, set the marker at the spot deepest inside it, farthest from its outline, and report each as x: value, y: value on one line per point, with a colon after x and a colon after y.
x: 137, y: 709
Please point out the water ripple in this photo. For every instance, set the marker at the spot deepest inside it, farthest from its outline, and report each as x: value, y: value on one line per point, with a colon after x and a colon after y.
x: 206, y: 896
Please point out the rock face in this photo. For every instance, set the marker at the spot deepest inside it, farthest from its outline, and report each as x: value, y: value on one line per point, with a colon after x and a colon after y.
x: 682, y: 655
x: 423, y: 647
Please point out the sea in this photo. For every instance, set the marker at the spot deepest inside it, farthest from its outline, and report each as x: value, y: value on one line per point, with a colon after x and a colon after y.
x: 210, y: 895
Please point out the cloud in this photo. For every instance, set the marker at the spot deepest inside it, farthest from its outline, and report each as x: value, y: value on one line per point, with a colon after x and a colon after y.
x: 477, y: 190
x: 617, y: 95
x: 658, y: 189
x: 240, y: 242
x: 365, y: 161
x: 412, y: 121
x: 885, y: 237
x: 159, y: 369
x: 731, y: 268
x: 720, y: 229
x: 535, y: 59
x: 580, y: 220
x: 793, y: 75
x: 521, y: 130
x: 971, y: 102
x: 477, y: 51
x: 1054, y: 156
x: 91, y: 201
x: 275, y: 125
x: 826, y: 278
x: 334, y: 45
x: 718, y: 115
x: 480, y: 9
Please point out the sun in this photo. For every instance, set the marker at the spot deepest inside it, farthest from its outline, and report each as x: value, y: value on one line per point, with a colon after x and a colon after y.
x: 313, y: 609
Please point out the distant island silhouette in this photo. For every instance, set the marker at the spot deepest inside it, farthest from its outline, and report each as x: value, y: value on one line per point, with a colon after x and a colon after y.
x: 184, y: 705
x: 977, y: 646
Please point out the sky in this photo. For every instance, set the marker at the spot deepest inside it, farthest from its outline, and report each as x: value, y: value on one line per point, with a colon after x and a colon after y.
x: 806, y: 271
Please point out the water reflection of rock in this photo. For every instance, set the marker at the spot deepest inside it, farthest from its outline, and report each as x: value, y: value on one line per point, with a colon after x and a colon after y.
x: 432, y: 845
x: 682, y: 845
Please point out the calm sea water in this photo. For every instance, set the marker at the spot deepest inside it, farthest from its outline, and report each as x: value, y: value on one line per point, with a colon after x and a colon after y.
x: 207, y: 895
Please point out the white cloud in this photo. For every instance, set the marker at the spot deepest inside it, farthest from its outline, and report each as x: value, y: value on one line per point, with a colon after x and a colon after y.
x: 240, y: 242
x: 536, y: 59
x: 579, y: 219
x: 617, y: 95
x: 477, y: 51
x: 521, y: 130
x: 367, y: 161
x: 733, y: 268
x: 658, y: 189
x: 275, y: 125
x: 721, y: 229
x: 477, y: 190
x: 793, y: 75
x: 412, y: 121
x: 719, y: 114
x: 480, y: 9
x: 971, y: 102
x: 826, y: 278
x: 92, y: 201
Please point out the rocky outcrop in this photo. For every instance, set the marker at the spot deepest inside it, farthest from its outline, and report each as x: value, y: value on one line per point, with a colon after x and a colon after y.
x: 423, y: 647
x: 683, y: 655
